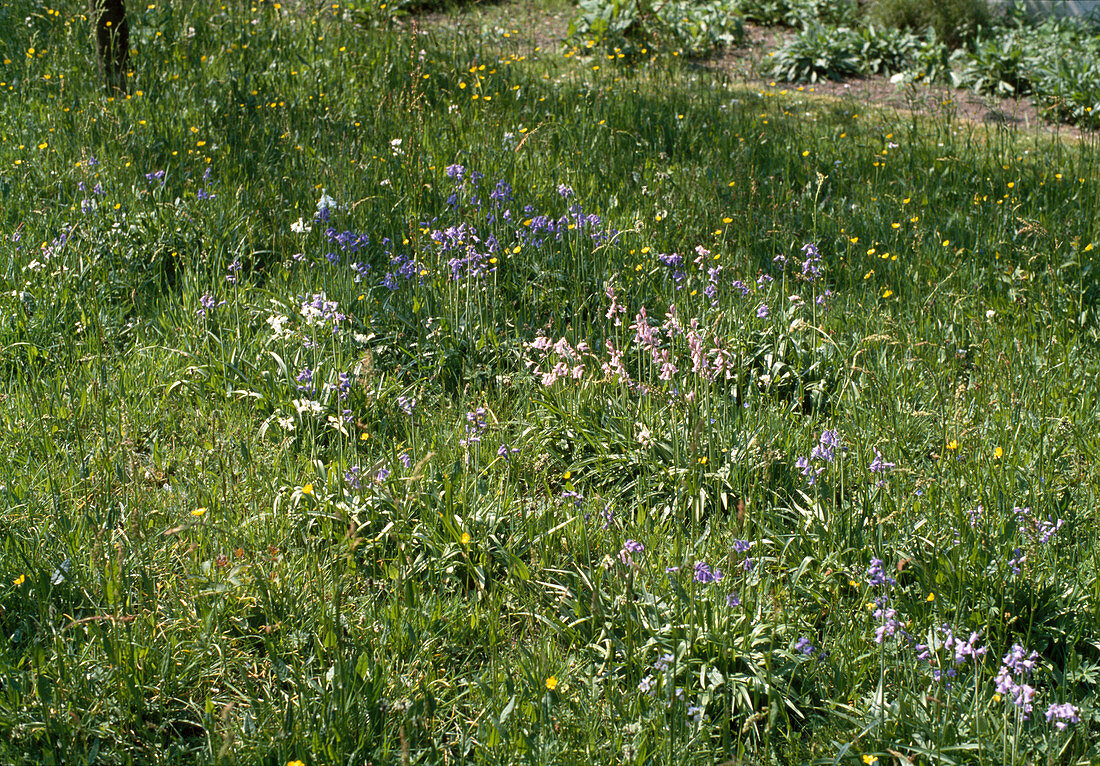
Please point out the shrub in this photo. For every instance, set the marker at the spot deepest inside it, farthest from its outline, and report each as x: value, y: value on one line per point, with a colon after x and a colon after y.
x: 799, y: 13
x: 886, y: 51
x: 819, y: 52
x: 997, y: 66
x: 956, y: 22
x: 635, y: 25
x: 1068, y: 87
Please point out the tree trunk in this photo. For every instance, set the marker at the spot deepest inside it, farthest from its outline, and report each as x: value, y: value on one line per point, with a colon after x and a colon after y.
x: 112, y: 37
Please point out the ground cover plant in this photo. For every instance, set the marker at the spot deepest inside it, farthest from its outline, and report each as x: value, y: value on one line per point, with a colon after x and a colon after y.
x: 379, y: 392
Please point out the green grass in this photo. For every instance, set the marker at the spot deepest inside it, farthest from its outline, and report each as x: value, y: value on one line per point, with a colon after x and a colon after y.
x: 209, y: 555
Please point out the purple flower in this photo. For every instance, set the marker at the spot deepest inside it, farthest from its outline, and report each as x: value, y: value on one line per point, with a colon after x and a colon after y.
x: 963, y: 650
x: 803, y: 645
x: 762, y: 311
x: 506, y: 452
x: 974, y: 515
x: 305, y: 379
x: 811, y: 267
x: 890, y: 623
x: 1018, y: 662
x: 351, y: 476
x: 565, y: 191
x: 742, y: 546
x: 876, y: 575
x: 1062, y: 715
x: 1047, y: 529
x: 502, y: 192
x: 608, y: 517
x: 206, y: 303
x: 1015, y: 667
x: 456, y: 172
x: 383, y: 474
x: 405, y: 459
x: 803, y: 465
x: 878, y: 465
x: 1018, y: 557
x: 704, y: 574
x: 732, y: 600
x: 826, y: 446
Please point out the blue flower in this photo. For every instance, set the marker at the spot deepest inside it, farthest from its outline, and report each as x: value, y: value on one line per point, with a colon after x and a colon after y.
x: 876, y: 575
x: 704, y: 574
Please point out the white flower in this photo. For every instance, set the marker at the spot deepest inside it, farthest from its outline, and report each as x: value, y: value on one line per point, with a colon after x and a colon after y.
x: 287, y: 423
x: 300, y: 227
x: 307, y: 406
x: 278, y: 327
x: 326, y: 202
x: 395, y: 147
x: 337, y: 425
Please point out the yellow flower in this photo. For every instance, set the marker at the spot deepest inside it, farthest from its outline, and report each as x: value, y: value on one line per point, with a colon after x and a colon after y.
x: 566, y: 475
x: 465, y: 538
x: 931, y: 597
x: 198, y: 512
x: 952, y: 445
x: 552, y: 683
x: 870, y: 760
x: 294, y: 763
x: 887, y: 293
x: 998, y: 453
x: 307, y: 489
x: 996, y: 697
x: 19, y: 580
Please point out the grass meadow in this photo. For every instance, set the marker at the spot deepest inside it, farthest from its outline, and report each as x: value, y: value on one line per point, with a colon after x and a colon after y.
x: 384, y: 392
